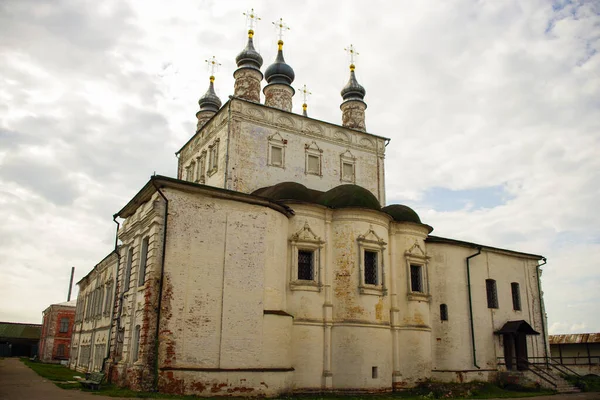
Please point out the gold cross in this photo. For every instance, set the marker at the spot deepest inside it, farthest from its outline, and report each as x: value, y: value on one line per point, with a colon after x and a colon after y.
x: 213, y: 66
x: 251, y: 19
x: 352, y: 52
x: 282, y: 27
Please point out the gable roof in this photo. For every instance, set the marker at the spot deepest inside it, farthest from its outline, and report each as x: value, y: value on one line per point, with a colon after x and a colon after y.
x: 16, y: 330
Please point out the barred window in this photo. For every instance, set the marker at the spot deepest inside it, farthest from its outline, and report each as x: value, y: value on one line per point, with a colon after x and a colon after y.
x: 492, y: 293
x: 371, y: 268
x: 60, y: 350
x: 306, y: 261
x: 516, y: 296
x: 443, y: 312
x: 416, y: 278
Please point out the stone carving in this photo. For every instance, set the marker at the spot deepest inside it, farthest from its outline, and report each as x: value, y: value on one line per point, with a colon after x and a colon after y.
x: 341, y: 136
x: 371, y: 236
x: 367, y: 143
x: 306, y: 234
x: 285, y: 121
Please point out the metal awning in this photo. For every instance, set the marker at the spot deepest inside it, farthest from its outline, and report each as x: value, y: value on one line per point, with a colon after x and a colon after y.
x: 517, y: 327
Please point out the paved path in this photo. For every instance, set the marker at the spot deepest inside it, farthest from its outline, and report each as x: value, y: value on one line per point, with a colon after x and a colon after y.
x: 17, y: 382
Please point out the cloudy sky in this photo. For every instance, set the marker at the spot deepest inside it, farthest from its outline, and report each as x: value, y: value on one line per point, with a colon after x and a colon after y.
x: 493, y: 109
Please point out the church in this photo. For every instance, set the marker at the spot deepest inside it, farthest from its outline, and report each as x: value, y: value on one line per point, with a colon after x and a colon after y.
x: 272, y: 264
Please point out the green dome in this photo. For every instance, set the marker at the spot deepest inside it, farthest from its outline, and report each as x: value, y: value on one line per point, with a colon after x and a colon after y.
x: 349, y: 196
x: 401, y: 213
x: 286, y: 191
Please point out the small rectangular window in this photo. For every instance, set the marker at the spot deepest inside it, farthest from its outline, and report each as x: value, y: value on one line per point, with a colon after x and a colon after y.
x: 313, y: 164
x: 60, y: 350
x: 306, y: 261
x: 443, y: 312
x: 492, y: 293
x: 347, y: 171
x: 143, y: 262
x: 374, y: 372
x: 371, y: 267
x: 516, y: 296
x: 416, y: 278
x: 64, y: 325
x: 276, y: 156
x: 136, y: 344
x: 128, y: 270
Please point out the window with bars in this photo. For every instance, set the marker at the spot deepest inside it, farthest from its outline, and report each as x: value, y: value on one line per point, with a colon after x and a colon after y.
x: 64, y: 325
x: 443, y: 312
x: 306, y: 265
x: 492, y: 293
x: 60, y: 350
x: 371, y: 268
x: 516, y: 296
x: 416, y: 278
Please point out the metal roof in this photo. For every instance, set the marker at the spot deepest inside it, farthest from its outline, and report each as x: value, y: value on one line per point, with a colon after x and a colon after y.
x: 575, y: 338
x: 16, y: 330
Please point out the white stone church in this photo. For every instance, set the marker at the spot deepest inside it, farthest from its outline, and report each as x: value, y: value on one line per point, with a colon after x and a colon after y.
x: 272, y: 264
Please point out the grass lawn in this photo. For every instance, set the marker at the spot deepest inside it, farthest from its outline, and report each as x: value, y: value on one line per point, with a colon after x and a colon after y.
x: 61, y: 375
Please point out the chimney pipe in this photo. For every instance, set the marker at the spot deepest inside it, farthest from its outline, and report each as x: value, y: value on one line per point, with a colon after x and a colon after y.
x: 71, y: 283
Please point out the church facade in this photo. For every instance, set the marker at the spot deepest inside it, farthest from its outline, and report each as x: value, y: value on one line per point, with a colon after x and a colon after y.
x: 271, y: 265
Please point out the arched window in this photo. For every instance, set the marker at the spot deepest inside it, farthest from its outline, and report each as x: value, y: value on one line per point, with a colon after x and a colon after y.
x: 492, y: 293
x: 443, y: 312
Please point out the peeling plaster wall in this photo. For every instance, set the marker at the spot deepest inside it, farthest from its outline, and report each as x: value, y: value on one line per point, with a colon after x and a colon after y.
x: 220, y: 272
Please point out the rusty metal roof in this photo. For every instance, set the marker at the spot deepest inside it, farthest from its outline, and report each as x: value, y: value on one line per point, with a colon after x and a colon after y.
x: 575, y: 338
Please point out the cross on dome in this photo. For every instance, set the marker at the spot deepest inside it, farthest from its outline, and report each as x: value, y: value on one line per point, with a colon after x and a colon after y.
x: 251, y: 19
x: 305, y: 93
x: 213, y: 66
x: 352, y: 53
x: 282, y: 27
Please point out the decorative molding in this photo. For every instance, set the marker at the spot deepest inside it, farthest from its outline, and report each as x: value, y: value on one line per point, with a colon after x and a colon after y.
x: 341, y: 136
x: 306, y: 234
x: 369, y: 235
x: 285, y: 121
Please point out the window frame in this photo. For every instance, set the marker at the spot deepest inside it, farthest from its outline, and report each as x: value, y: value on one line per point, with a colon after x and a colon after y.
x: 60, y: 325
x: 306, y: 240
x: 371, y: 242
x: 419, y: 272
x: 201, y: 167
x: 515, y: 289
x: 491, y: 290
x: 416, y: 256
x: 443, y: 312
x: 60, y: 350
x: 347, y: 158
x: 213, y: 158
x: 143, y: 264
x: 127, y: 270
x: 313, y: 150
x: 276, y: 141
x: 135, y: 351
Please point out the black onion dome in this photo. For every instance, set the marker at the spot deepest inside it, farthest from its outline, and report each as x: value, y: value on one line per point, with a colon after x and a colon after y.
x: 401, y: 213
x: 279, y: 71
x: 210, y: 101
x: 345, y: 196
x: 287, y: 191
x: 249, y: 57
x: 353, y: 90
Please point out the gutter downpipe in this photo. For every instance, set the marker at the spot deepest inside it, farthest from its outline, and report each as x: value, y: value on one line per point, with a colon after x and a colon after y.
x: 112, y: 312
x: 537, y: 271
x: 471, y: 307
x: 160, y: 285
x: 228, y: 139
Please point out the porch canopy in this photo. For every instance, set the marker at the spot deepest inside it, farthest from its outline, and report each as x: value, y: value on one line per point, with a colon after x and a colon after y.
x: 515, y: 327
